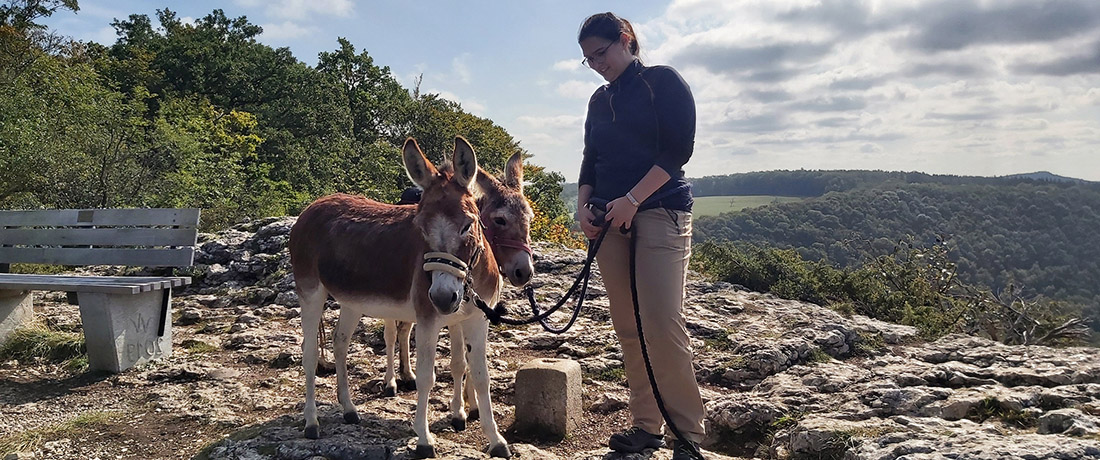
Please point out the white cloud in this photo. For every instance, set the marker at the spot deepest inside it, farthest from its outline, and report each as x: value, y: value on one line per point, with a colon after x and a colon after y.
x: 286, y: 30
x: 553, y: 121
x: 302, y: 9
x: 848, y: 84
x: 568, y: 65
x: 460, y: 68
x: 472, y: 106
x: 577, y: 89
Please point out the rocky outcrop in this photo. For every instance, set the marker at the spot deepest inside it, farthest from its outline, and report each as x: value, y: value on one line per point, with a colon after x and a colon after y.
x: 781, y: 379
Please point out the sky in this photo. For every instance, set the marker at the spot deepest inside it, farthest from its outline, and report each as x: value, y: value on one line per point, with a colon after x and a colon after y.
x: 967, y: 87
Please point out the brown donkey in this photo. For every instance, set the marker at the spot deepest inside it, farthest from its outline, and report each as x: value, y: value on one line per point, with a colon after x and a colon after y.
x: 403, y: 263
x: 506, y: 219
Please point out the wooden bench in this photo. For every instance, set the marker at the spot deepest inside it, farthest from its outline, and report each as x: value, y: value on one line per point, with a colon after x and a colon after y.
x: 126, y: 319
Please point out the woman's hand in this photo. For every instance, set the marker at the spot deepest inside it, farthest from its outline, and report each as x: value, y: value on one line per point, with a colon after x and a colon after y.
x: 620, y: 212
x: 586, y: 218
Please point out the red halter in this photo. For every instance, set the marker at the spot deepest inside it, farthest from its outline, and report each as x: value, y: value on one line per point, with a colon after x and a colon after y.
x: 503, y: 242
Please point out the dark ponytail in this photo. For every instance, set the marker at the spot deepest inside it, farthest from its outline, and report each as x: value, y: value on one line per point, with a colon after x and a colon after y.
x: 609, y: 26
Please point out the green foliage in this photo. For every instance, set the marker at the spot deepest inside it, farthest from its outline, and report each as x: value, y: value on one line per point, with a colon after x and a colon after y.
x: 552, y: 220
x: 611, y: 374
x: 911, y: 285
x: 1030, y: 237
x: 203, y: 115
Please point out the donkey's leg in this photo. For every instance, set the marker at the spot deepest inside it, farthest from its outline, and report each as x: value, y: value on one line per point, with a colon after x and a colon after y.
x: 345, y: 327
x: 313, y: 307
x: 427, y: 337
x: 404, y: 368
x: 389, y: 384
x: 472, y: 413
x: 476, y: 331
x: 458, y: 375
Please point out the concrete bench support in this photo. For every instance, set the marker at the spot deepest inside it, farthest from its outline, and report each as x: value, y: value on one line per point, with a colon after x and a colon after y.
x: 15, y: 311
x: 548, y: 397
x: 125, y: 330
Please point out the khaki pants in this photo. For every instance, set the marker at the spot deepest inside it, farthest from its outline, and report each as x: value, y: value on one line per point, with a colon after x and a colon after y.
x: 663, y: 249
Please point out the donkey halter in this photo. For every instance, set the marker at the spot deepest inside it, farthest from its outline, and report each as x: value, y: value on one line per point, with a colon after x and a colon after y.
x: 495, y: 241
x: 445, y: 262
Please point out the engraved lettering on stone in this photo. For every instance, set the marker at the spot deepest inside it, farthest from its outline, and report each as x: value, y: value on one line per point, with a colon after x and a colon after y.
x: 147, y: 349
x: 141, y: 325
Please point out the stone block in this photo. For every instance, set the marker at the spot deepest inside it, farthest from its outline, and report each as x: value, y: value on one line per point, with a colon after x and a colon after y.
x: 548, y: 397
x: 121, y: 330
x: 16, y: 310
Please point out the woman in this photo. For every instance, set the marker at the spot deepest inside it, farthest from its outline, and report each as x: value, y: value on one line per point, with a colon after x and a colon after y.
x: 639, y: 133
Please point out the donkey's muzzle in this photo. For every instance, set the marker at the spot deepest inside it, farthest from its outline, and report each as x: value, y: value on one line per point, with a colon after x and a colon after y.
x: 448, y: 281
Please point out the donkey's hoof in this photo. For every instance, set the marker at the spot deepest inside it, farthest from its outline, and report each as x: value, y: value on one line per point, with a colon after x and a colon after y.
x: 313, y: 432
x: 389, y: 391
x: 500, y: 451
x: 424, y: 451
x: 474, y: 415
x: 459, y: 424
x: 406, y: 385
x: 351, y: 418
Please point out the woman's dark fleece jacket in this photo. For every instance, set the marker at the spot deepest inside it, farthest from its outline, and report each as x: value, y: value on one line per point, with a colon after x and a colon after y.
x: 645, y: 117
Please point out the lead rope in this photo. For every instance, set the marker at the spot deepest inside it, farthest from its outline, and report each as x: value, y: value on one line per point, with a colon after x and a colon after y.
x: 694, y: 451
x: 496, y: 315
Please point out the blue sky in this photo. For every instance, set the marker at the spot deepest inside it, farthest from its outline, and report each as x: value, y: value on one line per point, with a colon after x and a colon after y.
x: 975, y: 87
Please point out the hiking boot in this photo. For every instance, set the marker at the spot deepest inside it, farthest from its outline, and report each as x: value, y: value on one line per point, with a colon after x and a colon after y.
x: 634, y: 441
x: 682, y: 452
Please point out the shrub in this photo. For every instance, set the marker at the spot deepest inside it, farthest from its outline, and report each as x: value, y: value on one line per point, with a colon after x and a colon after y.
x: 912, y: 285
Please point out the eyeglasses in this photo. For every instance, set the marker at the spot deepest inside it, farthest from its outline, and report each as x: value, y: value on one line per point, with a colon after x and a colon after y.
x: 598, y: 56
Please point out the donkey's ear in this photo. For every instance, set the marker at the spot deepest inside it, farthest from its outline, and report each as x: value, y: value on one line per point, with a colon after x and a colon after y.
x: 420, y: 170
x: 513, y: 172
x: 465, y: 162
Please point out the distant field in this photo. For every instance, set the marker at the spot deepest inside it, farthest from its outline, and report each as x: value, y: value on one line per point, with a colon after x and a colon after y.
x: 715, y: 205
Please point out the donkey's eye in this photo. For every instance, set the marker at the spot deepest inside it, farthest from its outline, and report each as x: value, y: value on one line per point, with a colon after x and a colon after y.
x: 500, y: 221
x: 466, y: 229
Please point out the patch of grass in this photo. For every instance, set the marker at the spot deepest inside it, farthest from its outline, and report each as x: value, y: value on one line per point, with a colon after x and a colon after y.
x: 31, y: 439
x: 837, y: 446
x: 77, y: 365
x: 992, y: 408
x: 37, y: 342
x: 869, y: 344
x: 198, y: 346
x: 595, y: 350
x: 818, y: 356
x: 736, y: 362
x: 611, y: 374
x: 785, y: 421
x: 715, y: 205
x: 721, y: 342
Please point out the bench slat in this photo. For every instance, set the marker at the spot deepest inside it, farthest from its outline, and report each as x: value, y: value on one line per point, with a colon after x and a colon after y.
x: 179, y: 257
x: 98, y: 236
x: 188, y: 217
x: 101, y: 284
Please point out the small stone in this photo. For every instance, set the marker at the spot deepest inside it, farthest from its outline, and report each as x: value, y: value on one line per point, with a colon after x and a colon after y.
x: 608, y: 403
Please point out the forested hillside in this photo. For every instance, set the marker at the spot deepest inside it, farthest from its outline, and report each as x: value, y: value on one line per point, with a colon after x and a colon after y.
x: 203, y: 115
x: 806, y: 183
x: 1039, y: 237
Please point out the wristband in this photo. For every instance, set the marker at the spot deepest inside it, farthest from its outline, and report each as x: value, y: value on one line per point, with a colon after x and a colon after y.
x: 633, y: 201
